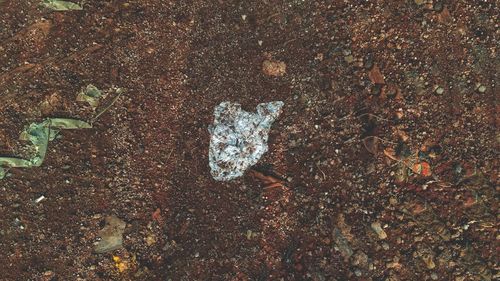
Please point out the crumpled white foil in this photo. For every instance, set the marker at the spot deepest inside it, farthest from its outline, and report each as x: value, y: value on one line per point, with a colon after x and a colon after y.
x: 239, y: 138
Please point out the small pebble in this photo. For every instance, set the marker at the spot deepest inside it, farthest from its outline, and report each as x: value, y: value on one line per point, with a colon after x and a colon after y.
x: 378, y: 229
x: 429, y: 262
x: 368, y: 63
x: 438, y: 6
x: 439, y: 91
x: 39, y: 199
x: 357, y: 272
x: 17, y: 222
x: 482, y: 89
x: 274, y: 68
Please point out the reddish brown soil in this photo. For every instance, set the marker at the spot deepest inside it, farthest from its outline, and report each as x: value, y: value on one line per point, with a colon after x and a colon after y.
x: 343, y: 146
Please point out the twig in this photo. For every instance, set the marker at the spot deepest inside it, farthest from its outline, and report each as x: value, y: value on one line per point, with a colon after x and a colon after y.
x: 170, y: 154
x: 380, y: 139
x: 373, y: 115
x: 107, y: 107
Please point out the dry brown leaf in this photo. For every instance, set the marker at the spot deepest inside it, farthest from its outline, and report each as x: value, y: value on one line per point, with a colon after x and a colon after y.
x: 389, y: 152
x: 444, y: 16
x: 376, y: 76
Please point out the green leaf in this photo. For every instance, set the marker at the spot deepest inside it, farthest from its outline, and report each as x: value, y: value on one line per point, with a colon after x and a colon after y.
x: 39, y: 135
x: 67, y: 123
x: 91, y: 95
x: 57, y: 5
x: 14, y: 162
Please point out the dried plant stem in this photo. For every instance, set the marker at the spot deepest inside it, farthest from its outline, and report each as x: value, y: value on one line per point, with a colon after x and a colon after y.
x: 119, y: 93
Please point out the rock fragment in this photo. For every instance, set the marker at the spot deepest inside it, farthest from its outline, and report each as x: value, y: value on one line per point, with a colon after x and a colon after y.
x: 342, y: 244
x: 274, y: 68
x: 111, y: 235
x: 378, y: 229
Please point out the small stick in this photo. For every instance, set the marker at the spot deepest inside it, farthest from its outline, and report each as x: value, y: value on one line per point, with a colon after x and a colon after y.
x: 120, y: 92
x: 373, y: 115
x: 380, y: 139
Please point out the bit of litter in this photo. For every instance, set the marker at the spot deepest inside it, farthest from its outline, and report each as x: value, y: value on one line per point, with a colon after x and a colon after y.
x: 376, y: 76
x: 239, y: 138
x: 423, y: 168
x: 120, y: 264
x: 342, y: 244
x: 39, y: 199
x: 378, y: 229
x: 90, y: 95
x: 39, y: 135
x: 111, y: 235
x: 14, y: 162
x: 429, y: 262
x: 68, y: 124
x: 58, y: 5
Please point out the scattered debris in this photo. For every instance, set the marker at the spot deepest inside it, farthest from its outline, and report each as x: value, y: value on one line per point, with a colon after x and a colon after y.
x: 239, y: 138
x: 274, y: 68
x: 376, y: 76
x: 444, y: 16
x: 39, y: 199
x: 360, y: 259
x: 250, y: 234
x: 40, y: 134
x: 91, y: 95
x: 150, y: 239
x: 120, y: 264
x: 273, y: 184
x: 156, y: 216
x: 378, y: 229
x: 349, y: 58
x: 68, y: 124
x: 480, y: 88
x: 58, y: 5
x: 111, y: 235
x: 439, y: 90
x: 118, y: 92
x: 342, y: 244
x: 422, y: 168
x: 50, y: 104
x: 429, y: 261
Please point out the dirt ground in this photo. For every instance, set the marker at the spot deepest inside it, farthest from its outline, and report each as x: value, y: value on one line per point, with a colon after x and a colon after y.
x: 382, y: 166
